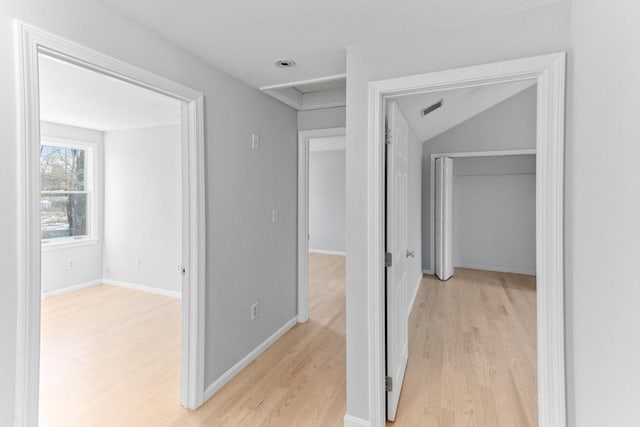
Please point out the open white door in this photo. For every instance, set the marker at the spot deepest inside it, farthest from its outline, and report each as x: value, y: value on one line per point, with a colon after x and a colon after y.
x: 444, y: 218
x: 397, y: 327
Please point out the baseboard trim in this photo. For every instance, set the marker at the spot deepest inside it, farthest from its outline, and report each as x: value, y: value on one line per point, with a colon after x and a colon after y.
x: 351, y: 421
x: 68, y: 289
x: 497, y: 269
x: 415, y: 294
x: 429, y: 272
x: 148, y: 289
x: 238, y: 367
x: 327, y: 252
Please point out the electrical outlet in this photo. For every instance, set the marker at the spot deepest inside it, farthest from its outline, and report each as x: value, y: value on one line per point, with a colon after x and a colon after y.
x: 274, y: 215
x: 255, y: 311
x: 255, y: 141
x: 71, y: 264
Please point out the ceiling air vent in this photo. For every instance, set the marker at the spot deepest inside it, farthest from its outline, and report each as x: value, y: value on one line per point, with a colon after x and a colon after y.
x: 431, y: 108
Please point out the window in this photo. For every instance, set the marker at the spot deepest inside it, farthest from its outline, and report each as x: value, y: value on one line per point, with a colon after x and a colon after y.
x: 66, y: 188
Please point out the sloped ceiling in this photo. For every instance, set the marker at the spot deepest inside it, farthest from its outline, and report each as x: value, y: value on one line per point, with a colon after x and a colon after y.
x: 458, y: 105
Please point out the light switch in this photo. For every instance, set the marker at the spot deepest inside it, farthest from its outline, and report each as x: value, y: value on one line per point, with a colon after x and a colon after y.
x: 255, y: 141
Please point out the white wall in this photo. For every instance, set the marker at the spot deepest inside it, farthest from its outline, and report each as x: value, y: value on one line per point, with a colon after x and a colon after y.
x: 603, y: 202
x: 248, y: 257
x: 86, y: 259
x: 142, y: 228
x: 323, y: 118
x: 494, y: 213
x: 326, y: 199
x: 536, y: 31
x: 509, y: 125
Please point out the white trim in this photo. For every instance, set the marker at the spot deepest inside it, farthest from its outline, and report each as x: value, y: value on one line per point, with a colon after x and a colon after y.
x: 351, y: 421
x: 68, y: 289
x: 304, y: 82
x: 290, y: 95
x: 429, y: 272
x: 253, y: 355
x: 327, y: 252
x: 55, y: 245
x: 415, y: 294
x: 142, y: 288
x: 432, y: 184
x: 31, y: 41
x: 497, y: 269
x: 303, y: 214
x: 549, y: 73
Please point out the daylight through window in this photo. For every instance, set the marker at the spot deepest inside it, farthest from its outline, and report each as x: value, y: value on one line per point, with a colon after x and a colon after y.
x: 65, y: 196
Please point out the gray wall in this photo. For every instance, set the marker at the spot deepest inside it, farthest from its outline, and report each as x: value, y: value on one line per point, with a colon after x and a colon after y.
x: 327, y: 200
x: 323, y: 118
x: 494, y: 213
x: 508, y: 125
x: 248, y: 257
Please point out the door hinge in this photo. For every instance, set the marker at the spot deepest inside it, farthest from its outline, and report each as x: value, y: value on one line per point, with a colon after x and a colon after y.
x: 388, y: 259
x: 387, y: 136
x: 388, y: 384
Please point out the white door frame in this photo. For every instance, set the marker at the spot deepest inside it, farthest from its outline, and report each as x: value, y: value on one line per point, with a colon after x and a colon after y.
x: 432, y: 190
x: 303, y: 213
x: 549, y: 73
x: 31, y: 41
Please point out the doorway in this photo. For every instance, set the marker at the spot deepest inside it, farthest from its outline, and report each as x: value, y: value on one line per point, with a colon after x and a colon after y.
x: 548, y: 73
x: 329, y: 147
x: 32, y: 43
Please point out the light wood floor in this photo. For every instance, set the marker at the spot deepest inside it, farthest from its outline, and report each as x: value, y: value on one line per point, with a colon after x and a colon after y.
x: 472, y: 352
x: 110, y: 357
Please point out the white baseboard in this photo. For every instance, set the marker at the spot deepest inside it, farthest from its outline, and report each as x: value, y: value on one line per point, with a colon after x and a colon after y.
x: 238, y: 367
x: 327, y: 252
x: 149, y: 289
x: 351, y: 421
x: 415, y: 294
x: 73, y: 288
x: 429, y: 272
x: 497, y: 269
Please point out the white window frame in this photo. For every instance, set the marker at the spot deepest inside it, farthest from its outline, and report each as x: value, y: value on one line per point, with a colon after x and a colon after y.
x: 91, y: 188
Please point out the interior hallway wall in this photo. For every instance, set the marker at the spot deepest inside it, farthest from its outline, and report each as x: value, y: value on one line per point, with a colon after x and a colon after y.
x: 323, y: 118
x: 326, y: 200
x: 143, y: 202
x: 509, y: 125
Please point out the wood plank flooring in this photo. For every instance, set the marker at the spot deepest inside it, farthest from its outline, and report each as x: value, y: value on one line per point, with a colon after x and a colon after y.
x: 472, y: 352
x: 110, y: 357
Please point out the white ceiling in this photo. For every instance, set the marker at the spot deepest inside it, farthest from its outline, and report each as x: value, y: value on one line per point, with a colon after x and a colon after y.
x: 245, y: 37
x: 458, y: 105
x: 77, y: 96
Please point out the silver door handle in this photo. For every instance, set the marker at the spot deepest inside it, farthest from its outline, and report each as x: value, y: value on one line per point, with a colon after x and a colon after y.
x: 411, y: 254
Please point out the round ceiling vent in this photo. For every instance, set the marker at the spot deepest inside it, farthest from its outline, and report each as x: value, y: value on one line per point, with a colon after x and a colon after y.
x: 285, y: 63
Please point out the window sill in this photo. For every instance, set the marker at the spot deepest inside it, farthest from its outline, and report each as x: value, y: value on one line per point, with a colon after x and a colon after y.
x: 53, y: 246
